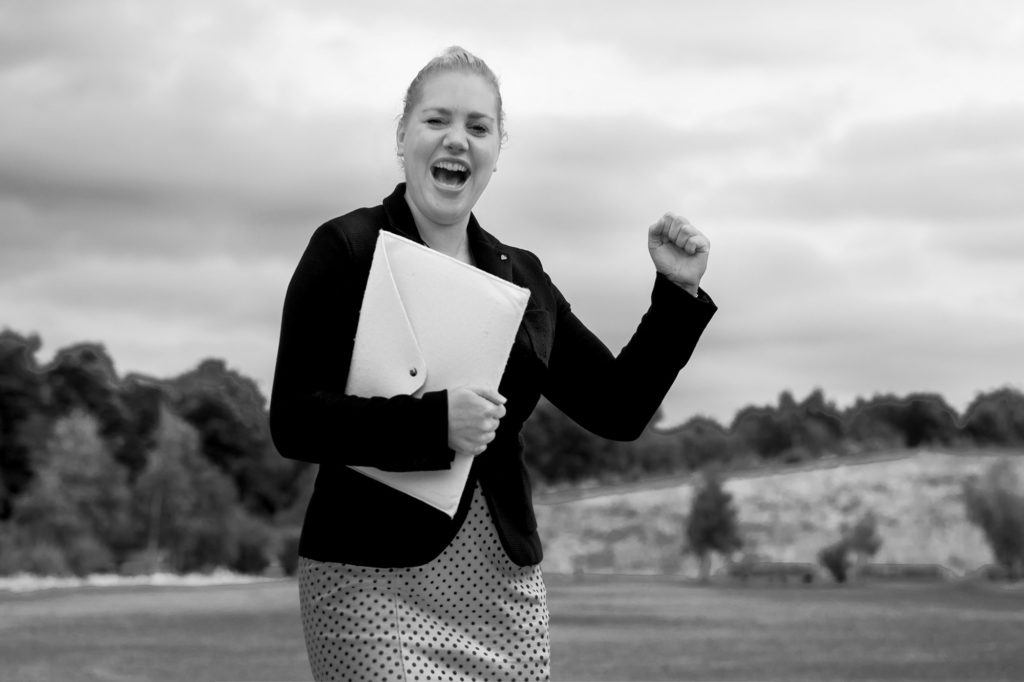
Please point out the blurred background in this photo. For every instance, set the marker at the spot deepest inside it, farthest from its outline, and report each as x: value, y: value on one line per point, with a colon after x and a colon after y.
x: 857, y: 166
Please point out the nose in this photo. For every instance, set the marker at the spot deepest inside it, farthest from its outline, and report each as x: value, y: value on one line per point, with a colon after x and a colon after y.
x: 455, y: 140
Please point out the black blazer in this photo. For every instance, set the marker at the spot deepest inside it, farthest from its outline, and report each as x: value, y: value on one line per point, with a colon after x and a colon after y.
x: 354, y: 519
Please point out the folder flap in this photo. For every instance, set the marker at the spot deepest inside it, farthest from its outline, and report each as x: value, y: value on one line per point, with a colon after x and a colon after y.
x: 386, y: 358
x: 465, y: 320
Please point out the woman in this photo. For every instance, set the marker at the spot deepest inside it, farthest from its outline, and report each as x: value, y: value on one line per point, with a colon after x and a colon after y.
x: 389, y: 587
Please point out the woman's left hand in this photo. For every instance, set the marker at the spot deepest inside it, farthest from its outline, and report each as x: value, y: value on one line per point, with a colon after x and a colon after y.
x: 679, y: 251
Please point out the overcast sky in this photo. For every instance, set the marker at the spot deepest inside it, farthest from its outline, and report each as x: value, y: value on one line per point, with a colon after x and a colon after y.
x: 858, y: 166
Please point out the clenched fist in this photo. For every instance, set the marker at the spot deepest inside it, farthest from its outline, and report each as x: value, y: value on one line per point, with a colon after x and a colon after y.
x: 679, y: 251
x: 473, y: 417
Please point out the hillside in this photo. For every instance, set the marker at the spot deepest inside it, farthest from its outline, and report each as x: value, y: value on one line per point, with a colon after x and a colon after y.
x: 786, y: 515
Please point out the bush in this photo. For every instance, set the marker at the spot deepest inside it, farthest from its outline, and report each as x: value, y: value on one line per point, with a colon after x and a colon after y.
x: 862, y: 538
x: 288, y: 551
x: 145, y: 562
x: 85, y: 554
x: 996, y: 418
x: 995, y: 503
x: 835, y: 559
x: 44, y: 558
x: 254, y: 546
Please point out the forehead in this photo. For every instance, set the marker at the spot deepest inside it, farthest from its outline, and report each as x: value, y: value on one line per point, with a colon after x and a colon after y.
x: 457, y: 90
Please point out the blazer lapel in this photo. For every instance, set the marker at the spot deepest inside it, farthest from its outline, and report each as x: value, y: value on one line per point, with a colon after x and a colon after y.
x: 490, y: 255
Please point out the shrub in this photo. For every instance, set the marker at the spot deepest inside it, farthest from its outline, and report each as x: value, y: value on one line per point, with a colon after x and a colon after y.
x: 288, y: 551
x: 835, y: 559
x: 862, y: 538
x: 253, y: 548
x: 995, y: 503
x: 996, y: 418
x: 85, y: 554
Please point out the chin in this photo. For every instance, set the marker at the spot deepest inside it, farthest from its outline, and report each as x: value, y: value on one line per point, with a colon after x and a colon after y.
x: 449, y: 210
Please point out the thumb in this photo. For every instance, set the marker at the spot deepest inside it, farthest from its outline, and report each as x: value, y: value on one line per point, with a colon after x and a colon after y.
x: 488, y: 394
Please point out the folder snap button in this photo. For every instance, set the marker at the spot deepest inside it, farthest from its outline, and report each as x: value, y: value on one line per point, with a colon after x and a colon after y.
x: 504, y: 257
x: 413, y: 372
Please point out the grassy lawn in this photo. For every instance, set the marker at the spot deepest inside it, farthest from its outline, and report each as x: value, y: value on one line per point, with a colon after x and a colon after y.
x: 622, y: 630
x: 611, y: 629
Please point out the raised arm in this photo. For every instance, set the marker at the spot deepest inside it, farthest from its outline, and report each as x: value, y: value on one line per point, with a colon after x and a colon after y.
x: 617, y: 396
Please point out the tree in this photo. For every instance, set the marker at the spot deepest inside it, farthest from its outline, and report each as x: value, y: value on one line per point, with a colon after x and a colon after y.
x: 996, y: 418
x: 888, y: 421
x: 763, y: 431
x: 836, y: 560
x: 819, y: 427
x: 558, y: 449
x: 995, y: 503
x: 712, y: 525
x: 704, y: 442
x: 874, y: 423
x: 929, y: 420
x: 78, y: 502
x: 82, y: 377
x: 860, y: 539
x: 24, y: 418
x: 229, y: 413
x: 186, y: 508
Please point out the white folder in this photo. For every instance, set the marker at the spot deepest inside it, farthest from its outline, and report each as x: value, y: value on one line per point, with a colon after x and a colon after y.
x: 430, y: 322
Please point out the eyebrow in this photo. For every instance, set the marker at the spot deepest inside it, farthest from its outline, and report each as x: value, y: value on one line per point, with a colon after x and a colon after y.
x: 448, y: 112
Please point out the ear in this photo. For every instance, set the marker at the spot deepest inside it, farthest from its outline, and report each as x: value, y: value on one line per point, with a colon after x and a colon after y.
x: 400, y: 139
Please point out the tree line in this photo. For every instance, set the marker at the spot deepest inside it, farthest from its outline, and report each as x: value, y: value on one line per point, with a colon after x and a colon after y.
x: 788, y: 432
x: 101, y: 472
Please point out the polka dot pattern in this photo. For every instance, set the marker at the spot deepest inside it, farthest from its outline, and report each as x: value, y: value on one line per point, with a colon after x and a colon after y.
x: 470, y: 614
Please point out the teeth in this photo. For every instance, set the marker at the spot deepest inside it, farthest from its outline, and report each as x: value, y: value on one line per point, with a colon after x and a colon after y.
x: 452, y: 166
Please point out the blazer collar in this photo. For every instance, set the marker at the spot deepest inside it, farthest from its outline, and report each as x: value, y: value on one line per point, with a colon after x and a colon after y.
x: 490, y: 254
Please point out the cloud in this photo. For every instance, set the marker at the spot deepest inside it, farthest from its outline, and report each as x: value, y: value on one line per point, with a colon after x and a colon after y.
x: 942, y: 167
x: 156, y: 315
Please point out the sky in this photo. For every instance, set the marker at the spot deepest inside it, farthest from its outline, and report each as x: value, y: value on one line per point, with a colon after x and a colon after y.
x: 857, y: 166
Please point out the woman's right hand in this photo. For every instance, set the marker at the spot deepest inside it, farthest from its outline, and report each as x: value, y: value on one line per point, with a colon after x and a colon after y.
x: 473, y: 417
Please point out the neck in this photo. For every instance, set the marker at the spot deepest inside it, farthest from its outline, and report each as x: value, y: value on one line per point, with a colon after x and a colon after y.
x: 451, y: 240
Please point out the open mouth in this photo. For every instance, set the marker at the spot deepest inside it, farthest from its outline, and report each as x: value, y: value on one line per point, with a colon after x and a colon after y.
x: 452, y: 174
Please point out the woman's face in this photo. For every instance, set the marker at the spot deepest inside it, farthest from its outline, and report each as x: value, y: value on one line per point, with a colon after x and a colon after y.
x: 449, y: 142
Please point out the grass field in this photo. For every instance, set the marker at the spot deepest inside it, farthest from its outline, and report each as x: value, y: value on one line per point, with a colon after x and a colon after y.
x: 602, y: 629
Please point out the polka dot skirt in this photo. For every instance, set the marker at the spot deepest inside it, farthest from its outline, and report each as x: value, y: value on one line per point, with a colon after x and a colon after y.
x: 470, y: 614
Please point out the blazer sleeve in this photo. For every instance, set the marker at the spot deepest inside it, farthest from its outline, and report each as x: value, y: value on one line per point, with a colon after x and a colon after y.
x: 613, y: 396
x: 311, y: 417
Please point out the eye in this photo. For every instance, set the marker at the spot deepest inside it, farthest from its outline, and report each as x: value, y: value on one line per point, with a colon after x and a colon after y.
x: 435, y: 121
x: 479, y: 129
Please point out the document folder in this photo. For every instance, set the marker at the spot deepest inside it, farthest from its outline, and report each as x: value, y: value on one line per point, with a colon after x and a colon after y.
x: 430, y: 322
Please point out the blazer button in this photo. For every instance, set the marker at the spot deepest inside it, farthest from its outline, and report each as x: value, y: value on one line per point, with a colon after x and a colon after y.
x: 413, y: 372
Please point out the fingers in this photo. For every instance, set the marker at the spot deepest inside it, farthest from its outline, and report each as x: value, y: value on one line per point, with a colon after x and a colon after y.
x: 497, y: 401
x: 696, y: 243
x: 674, y: 229
x: 475, y: 414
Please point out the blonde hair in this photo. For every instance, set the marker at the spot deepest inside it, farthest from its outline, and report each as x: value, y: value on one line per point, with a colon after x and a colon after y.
x: 458, y: 59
